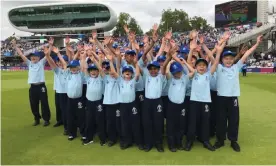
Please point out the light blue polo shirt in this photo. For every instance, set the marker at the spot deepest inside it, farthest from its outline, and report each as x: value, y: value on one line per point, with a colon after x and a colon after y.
x: 140, y: 83
x: 177, y: 89
x: 36, y: 71
x: 213, y: 79
x: 61, y: 80
x: 95, y: 88
x: 228, y: 83
x: 127, y: 90
x: 154, y: 86
x: 201, y: 87
x: 111, y: 90
x: 166, y: 88
x: 74, y: 85
x: 55, y: 80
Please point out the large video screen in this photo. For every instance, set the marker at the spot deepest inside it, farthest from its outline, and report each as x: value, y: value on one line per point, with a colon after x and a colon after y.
x: 235, y: 13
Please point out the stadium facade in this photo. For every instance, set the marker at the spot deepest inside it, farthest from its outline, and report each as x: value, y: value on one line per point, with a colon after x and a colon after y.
x: 62, y: 17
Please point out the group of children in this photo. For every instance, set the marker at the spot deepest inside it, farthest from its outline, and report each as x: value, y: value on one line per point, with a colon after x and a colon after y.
x: 126, y: 97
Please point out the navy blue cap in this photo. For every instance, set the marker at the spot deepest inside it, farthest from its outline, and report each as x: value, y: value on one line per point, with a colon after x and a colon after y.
x: 161, y: 58
x: 156, y: 49
x: 153, y: 64
x: 38, y: 54
x: 228, y: 53
x: 141, y: 44
x: 63, y: 56
x: 115, y: 45
x: 201, y: 60
x: 176, y: 67
x: 180, y: 56
x: 184, y: 50
x: 92, y: 67
x: 130, y: 52
x: 74, y: 63
x: 127, y: 68
x: 105, y: 63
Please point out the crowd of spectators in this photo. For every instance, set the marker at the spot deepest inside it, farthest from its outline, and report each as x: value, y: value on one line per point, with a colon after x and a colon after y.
x: 261, y: 59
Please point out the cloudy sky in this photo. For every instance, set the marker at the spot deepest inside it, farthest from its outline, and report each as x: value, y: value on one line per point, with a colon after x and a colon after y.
x: 146, y: 12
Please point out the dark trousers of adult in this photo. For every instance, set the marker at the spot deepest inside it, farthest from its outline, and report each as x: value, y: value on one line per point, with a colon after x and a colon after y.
x: 199, y: 115
x: 131, y: 125
x: 38, y: 93
x: 228, y: 113
x: 243, y: 72
x: 213, y: 112
x: 63, y: 99
x: 184, y: 129
x: 176, y: 116
x: 274, y: 70
x: 140, y: 97
x: 153, y: 122
x: 113, y: 122
x: 58, y: 109
x: 83, y: 97
x: 76, y: 116
x: 95, y: 120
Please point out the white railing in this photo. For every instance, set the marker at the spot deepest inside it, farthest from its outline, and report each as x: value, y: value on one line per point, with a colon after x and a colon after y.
x: 242, y: 38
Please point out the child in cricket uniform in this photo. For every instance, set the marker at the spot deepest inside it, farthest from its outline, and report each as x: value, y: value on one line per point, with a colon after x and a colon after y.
x: 60, y: 70
x: 95, y: 115
x: 200, y: 100
x: 228, y: 88
x: 38, y: 89
x: 176, y: 114
x: 130, y: 114
x: 76, y: 110
x: 111, y: 102
x: 152, y: 112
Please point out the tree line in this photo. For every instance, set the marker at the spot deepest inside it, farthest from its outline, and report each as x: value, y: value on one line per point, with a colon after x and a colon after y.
x: 176, y: 20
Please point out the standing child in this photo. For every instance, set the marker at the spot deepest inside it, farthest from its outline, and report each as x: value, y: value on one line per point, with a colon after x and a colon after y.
x: 76, y: 110
x: 60, y: 70
x: 176, y: 114
x: 130, y: 114
x: 228, y: 87
x: 200, y: 100
x: 95, y: 115
x: 111, y: 102
x: 38, y: 89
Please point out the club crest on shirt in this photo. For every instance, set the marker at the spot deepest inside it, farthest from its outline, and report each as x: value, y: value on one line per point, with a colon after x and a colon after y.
x: 173, y: 83
x: 183, y: 112
x: 100, y: 108
x: 117, y: 113
x: 134, y: 111
x: 79, y: 105
x: 206, y: 108
x: 43, y: 89
x: 159, y: 108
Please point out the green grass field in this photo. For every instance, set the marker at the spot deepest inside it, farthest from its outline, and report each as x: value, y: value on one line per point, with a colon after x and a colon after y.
x: 24, y: 144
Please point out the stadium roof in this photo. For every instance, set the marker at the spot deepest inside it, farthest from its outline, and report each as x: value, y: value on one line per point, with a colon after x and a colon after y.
x: 106, y: 26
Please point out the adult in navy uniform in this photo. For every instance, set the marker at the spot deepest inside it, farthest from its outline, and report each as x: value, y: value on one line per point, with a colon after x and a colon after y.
x: 38, y: 89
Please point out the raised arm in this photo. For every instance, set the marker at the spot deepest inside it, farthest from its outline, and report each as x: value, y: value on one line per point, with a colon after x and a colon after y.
x: 19, y: 52
x: 64, y: 64
x: 83, y: 63
x: 219, y: 48
x: 252, y: 49
x: 241, y: 52
x: 47, y: 52
x: 193, y: 46
x: 99, y: 66
x: 112, y: 68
